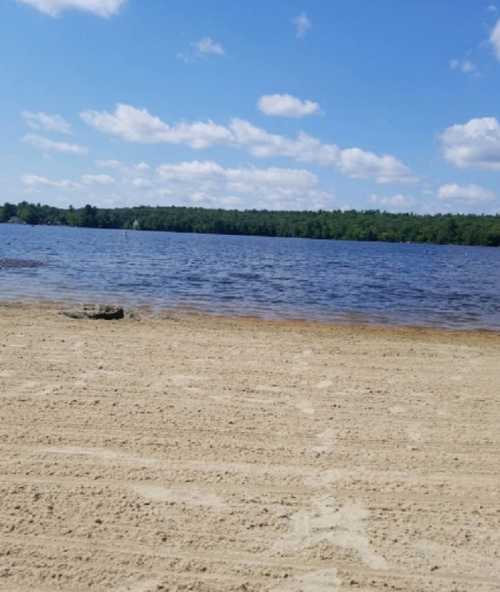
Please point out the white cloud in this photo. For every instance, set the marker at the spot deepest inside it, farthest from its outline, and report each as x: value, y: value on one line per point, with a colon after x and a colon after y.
x: 262, y: 144
x: 287, y: 106
x: 142, y: 183
x: 353, y: 162
x: 492, y: 8
x: 208, y: 46
x: 465, y: 66
x: 495, y: 39
x: 302, y: 25
x: 109, y: 164
x: 243, y: 178
x: 98, y: 180
x: 208, y: 183
x: 201, y: 183
x: 46, y: 122
x: 393, y: 202
x: 34, y: 182
x: 466, y: 193
x: 360, y: 164
x: 473, y: 144
x: 47, y: 145
x: 138, y: 125
x: 125, y: 169
x: 103, y: 8
x: 200, y: 49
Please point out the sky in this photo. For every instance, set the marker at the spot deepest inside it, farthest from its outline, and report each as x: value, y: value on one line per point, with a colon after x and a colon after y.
x: 346, y: 104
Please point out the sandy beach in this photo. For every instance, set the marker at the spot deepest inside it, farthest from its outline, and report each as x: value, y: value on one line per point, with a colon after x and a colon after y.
x: 188, y: 452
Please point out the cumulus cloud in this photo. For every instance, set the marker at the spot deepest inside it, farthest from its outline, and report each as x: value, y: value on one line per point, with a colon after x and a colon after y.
x: 361, y: 164
x: 98, y: 180
x: 302, y: 25
x: 353, y: 162
x: 45, y: 122
x: 138, y: 125
x: 303, y: 148
x: 35, y: 182
x: 209, y: 183
x: 103, y: 8
x: 245, y: 179
x: 392, y: 202
x: 475, y: 144
x: 465, y: 193
x: 495, y: 39
x: 199, y: 182
x: 47, y: 145
x: 287, y: 106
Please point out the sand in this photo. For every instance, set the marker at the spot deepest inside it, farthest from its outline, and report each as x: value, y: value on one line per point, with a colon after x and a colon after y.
x: 197, y: 453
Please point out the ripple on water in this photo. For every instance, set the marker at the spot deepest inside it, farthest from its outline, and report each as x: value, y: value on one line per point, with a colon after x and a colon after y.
x: 334, y: 281
x: 7, y: 263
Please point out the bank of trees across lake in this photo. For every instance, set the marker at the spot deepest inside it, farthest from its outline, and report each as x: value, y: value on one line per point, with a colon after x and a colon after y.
x: 370, y: 225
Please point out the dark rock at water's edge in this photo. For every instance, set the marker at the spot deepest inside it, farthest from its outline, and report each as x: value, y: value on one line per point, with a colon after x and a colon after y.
x: 19, y: 263
x: 107, y: 312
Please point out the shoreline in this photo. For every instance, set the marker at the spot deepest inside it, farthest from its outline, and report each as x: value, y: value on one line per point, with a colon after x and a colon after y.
x: 152, y: 312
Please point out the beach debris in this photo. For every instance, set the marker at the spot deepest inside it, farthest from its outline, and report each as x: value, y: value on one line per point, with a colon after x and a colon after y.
x: 106, y: 312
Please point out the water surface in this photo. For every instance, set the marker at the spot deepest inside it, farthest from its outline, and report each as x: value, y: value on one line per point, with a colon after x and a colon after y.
x: 448, y: 286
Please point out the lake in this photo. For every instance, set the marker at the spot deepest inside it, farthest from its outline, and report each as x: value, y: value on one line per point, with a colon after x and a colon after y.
x: 446, y: 286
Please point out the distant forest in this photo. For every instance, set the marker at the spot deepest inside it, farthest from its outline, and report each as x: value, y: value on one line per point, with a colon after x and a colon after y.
x: 370, y: 225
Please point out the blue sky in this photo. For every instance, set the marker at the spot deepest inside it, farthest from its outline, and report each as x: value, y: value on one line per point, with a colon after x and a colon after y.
x: 281, y: 105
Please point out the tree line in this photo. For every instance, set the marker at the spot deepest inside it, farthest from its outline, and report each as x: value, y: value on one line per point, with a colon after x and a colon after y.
x: 368, y: 225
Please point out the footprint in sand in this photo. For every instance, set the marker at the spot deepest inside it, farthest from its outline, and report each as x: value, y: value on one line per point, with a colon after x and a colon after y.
x: 414, y: 432
x: 326, y: 521
x: 191, y: 497
x: 305, y: 353
x: 305, y: 406
x: 324, y: 384
x: 397, y: 410
x: 326, y: 442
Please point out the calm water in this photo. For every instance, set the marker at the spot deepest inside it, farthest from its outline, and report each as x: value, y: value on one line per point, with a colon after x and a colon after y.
x: 274, y: 278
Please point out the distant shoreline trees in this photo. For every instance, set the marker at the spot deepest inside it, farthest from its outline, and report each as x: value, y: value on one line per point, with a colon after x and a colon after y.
x: 369, y: 225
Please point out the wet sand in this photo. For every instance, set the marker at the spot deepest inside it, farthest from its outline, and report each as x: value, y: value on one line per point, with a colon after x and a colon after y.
x: 197, y: 453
